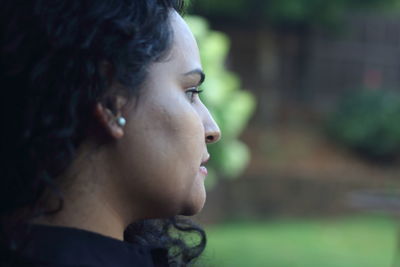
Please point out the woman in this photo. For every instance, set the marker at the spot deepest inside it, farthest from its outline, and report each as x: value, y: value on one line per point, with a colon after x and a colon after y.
x: 104, y: 137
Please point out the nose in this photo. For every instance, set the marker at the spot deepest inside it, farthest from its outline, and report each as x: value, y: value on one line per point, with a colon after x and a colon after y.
x: 211, y: 129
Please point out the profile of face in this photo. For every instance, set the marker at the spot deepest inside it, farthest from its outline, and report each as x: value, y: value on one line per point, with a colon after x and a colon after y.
x: 160, y: 153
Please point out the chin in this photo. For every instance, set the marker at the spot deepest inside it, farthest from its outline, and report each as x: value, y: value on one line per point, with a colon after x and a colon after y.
x: 194, y: 208
x: 191, y: 212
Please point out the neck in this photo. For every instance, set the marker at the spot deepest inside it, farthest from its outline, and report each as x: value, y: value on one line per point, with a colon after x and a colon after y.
x: 92, y: 214
x: 90, y: 201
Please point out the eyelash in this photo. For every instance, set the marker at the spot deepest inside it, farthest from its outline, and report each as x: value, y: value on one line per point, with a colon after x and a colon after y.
x: 191, y: 92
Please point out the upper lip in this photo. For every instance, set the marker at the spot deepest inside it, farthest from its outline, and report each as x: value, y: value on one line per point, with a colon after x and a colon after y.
x: 205, y: 160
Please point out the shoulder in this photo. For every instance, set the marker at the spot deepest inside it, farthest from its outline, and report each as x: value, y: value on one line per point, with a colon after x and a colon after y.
x: 69, y: 247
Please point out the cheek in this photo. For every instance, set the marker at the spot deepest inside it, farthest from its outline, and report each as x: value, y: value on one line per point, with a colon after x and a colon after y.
x: 175, y: 132
x: 163, y: 148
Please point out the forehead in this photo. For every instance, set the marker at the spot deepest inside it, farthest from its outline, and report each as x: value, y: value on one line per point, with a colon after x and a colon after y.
x: 184, y: 47
x: 183, y: 57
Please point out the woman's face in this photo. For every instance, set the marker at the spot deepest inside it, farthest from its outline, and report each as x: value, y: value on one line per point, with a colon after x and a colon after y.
x: 164, y: 145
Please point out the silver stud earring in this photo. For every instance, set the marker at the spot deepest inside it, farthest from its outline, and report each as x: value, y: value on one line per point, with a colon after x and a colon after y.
x: 121, y: 121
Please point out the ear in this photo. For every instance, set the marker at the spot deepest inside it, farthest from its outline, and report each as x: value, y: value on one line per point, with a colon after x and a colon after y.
x: 108, y: 116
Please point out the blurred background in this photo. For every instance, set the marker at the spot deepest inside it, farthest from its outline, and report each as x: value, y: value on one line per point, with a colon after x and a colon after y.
x: 307, y: 95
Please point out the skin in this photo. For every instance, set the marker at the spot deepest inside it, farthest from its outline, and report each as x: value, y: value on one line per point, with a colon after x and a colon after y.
x: 151, y: 168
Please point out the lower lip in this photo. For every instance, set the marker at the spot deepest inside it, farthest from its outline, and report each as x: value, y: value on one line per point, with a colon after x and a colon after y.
x: 203, y: 170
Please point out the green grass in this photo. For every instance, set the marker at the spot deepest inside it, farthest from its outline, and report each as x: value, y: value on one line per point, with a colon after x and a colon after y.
x: 341, y: 242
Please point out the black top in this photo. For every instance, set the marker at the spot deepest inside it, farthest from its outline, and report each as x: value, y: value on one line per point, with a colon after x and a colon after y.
x: 51, y: 246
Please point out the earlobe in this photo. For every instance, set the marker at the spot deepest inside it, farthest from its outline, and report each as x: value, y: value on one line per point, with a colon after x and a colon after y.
x: 113, y: 124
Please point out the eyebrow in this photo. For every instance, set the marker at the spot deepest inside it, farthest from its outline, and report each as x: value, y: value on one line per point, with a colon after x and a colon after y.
x: 197, y: 72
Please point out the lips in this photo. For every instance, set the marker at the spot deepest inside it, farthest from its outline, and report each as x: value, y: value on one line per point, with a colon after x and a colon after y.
x: 205, y: 160
x: 203, y: 168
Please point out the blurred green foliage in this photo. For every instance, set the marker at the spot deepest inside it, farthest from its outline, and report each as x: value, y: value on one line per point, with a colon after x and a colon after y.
x: 285, y: 11
x: 367, y: 121
x: 230, y: 106
x: 362, y: 241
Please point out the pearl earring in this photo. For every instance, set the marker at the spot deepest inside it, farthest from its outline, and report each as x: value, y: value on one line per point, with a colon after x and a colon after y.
x: 121, y: 121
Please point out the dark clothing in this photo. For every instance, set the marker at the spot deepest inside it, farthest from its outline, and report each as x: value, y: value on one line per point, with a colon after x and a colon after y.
x: 50, y: 246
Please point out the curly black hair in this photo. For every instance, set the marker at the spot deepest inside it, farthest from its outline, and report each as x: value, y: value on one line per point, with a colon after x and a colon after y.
x: 51, y: 58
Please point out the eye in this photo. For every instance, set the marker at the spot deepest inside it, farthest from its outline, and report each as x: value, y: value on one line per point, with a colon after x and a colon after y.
x: 192, y: 93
